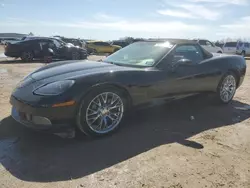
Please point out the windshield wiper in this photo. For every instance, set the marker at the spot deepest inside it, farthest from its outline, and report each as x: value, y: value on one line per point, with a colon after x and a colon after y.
x: 113, y: 63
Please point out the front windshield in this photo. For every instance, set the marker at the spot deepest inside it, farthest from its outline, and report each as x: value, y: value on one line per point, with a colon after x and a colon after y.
x: 143, y: 54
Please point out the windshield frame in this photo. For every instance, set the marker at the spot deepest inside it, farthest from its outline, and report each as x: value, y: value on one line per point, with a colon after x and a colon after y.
x: 167, y: 50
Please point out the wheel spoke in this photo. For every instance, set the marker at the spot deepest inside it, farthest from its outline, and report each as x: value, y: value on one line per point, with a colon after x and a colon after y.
x: 104, y: 99
x: 94, y: 119
x: 114, y: 107
x: 105, y: 122
x: 100, y: 125
x: 115, y: 114
x: 96, y: 103
x: 93, y: 112
x: 112, y: 119
x: 99, y: 101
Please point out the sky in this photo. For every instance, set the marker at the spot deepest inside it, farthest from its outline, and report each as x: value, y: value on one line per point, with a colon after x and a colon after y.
x: 112, y: 19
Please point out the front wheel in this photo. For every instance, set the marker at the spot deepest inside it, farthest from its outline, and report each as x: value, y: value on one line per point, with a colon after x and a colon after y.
x: 227, y: 88
x: 101, y: 112
x: 27, y: 56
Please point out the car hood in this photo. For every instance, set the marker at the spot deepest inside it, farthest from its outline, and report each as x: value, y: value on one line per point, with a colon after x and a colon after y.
x: 66, y: 69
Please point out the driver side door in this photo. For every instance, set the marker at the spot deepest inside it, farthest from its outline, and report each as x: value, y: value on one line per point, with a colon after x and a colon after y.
x: 185, y: 77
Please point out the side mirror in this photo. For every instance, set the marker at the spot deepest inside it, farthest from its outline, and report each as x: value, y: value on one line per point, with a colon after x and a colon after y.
x: 51, y: 52
x: 184, y: 62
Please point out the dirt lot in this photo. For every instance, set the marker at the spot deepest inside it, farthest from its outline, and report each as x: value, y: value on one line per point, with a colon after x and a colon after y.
x: 158, y: 147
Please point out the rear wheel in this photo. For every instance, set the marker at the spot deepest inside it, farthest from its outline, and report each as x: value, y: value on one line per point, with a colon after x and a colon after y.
x: 27, y: 56
x: 101, y: 112
x: 227, y: 88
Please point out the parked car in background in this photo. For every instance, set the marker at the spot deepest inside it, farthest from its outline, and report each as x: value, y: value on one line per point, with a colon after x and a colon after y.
x: 219, y: 44
x: 121, y: 43
x: 209, y: 46
x: 34, y: 48
x: 75, y: 42
x: 95, y: 96
x: 243, y: 48
x: 102, y: 47
x: 6, y: 40
x: 229, y: 47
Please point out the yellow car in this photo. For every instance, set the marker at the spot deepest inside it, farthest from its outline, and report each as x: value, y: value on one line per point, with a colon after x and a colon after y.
x: 102, y: 47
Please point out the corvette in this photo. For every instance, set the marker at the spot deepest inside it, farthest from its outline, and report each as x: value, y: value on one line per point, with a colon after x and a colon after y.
x: 94, y: 96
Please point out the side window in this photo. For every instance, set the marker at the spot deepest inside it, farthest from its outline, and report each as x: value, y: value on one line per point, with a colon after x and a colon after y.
x: 103, y: 44
x: 97, y: 43
x: 106, y: 44
x: 231, y: 44
x: 44, y: 45
x: 209, y: 44
x: 190, y: 52
x: 240, y: 44
x: 56, y: 43
x: 202, y: 42
x: 246, y: 45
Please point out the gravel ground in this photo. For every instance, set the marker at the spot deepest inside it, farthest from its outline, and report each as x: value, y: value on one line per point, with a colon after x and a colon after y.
x: 158, y: 147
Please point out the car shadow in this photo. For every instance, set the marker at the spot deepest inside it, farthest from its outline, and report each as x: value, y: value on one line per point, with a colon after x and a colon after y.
x: 38, y: 157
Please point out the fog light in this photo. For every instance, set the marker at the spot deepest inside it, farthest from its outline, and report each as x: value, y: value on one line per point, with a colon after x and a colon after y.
x: 41, y: 120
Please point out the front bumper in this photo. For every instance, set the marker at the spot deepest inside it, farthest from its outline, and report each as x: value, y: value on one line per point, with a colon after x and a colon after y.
x: 46, y: 119
x: 12, y: 54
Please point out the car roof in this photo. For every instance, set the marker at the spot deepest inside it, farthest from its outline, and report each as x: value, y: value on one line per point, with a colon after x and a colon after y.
x: 200, y: 39
x: 37, y: 38
x: 171, y: 40
x: 95, y: 41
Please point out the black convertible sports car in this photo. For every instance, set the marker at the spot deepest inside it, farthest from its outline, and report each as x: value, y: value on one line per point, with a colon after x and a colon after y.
x: 38, y: 47
x: 94, y: 96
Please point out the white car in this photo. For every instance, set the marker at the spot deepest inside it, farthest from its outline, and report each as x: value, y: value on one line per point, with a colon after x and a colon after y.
x: 209, y: 46
x: 229, y: 47
x: 243, y: 48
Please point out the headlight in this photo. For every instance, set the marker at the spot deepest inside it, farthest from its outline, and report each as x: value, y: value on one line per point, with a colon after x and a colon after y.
x: 54, y: 88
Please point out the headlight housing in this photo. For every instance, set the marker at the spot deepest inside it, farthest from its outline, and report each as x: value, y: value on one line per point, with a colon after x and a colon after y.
x: 54, y: 88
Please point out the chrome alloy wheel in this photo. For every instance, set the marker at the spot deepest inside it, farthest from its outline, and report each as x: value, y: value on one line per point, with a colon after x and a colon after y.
x: 27, y: 56
x: 228, y: 88
x: 104, y: 112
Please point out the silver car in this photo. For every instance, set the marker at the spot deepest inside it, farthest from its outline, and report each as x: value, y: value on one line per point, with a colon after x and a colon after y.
x: 243, y: 48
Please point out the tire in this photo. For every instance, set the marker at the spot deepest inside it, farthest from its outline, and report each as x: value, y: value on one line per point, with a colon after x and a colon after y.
x: 92, y: 119
x: 220, y: 52
x: 226, y: 88
x: 27, y: 56
x: 76, y: 56
x: 243, y: 53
